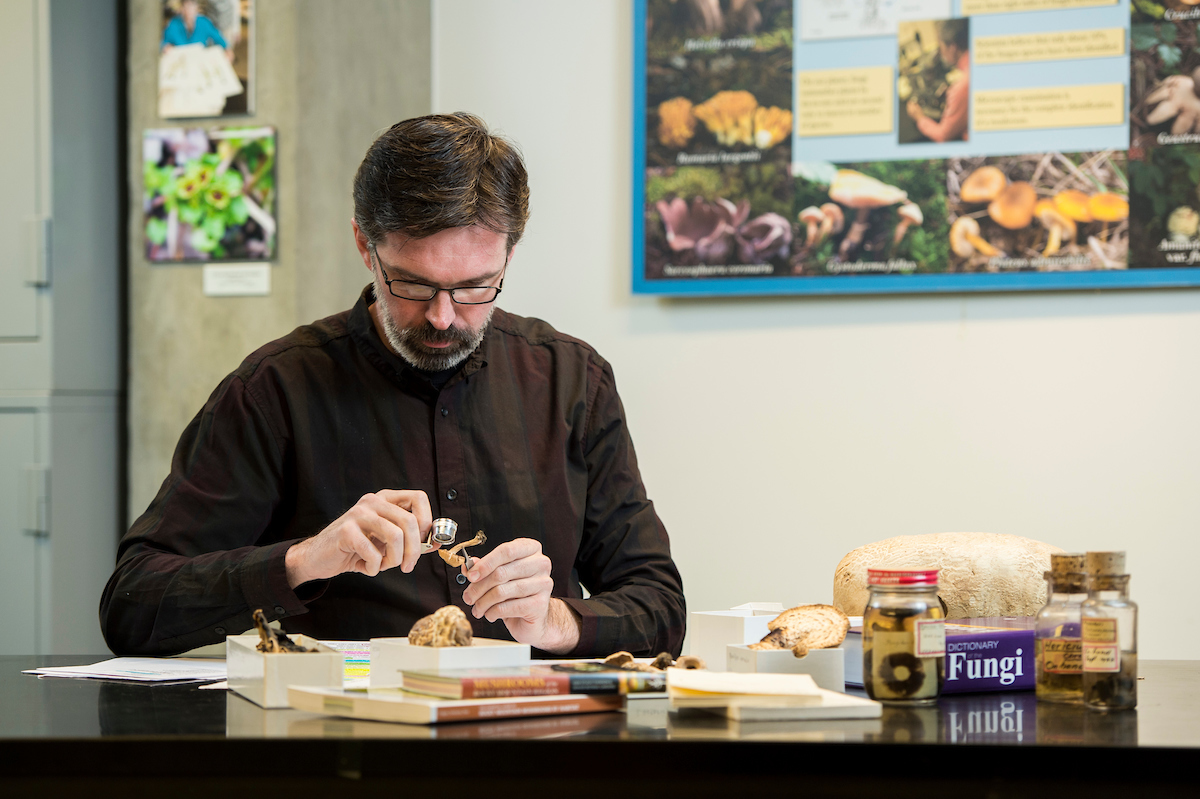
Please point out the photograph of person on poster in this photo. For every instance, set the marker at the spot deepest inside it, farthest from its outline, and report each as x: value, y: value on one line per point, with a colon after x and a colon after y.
x: 940, y: 114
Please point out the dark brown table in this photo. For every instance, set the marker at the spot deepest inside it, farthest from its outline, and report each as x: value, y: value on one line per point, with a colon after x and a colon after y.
x: 115, y: 739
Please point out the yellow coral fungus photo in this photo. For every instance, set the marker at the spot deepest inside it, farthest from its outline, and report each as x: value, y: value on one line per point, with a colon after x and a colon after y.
x: 676, y: 122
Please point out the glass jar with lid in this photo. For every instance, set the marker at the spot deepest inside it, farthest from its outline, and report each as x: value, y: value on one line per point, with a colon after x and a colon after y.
x: 904, y: 637
x: 1059, y: 649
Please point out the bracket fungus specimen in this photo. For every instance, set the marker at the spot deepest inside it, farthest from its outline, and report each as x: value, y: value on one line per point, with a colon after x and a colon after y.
x: 448, y: 626
x: 862, y: 193
x: 805, y: 627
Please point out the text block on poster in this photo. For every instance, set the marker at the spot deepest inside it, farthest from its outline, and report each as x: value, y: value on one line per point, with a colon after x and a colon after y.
x: 1055, y: 46
x: 844, y: 102
x: 970, y: 7
x: 1049, y: 107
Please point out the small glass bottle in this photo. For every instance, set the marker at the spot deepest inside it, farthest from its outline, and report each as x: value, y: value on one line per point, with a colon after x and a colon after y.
x: 904, y: 637
x: 1109, y: 632
x: 1058, y: 658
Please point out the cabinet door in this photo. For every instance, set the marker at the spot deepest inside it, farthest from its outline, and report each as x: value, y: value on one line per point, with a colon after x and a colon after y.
x: 22, y: 156
x: 19, y: 549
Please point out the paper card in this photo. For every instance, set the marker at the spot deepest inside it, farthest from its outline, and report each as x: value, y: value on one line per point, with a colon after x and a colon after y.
x: 1052, y: 46
x: 844, y: 102
x: 1050, y: 107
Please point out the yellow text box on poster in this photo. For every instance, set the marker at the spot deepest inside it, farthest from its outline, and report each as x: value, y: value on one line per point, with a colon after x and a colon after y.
x: 1050, y: 107
x: 1056, y: 46
x: 970, y: 7
x: 844, y: 102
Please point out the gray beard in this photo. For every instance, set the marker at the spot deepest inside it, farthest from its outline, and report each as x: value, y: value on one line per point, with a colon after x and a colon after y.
x: 409, y: 341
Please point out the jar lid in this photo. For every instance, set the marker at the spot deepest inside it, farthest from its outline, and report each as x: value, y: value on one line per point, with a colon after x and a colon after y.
x: 902, y: 576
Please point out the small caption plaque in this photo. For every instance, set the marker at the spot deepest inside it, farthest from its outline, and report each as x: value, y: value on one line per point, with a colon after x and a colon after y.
x: 237, y: 280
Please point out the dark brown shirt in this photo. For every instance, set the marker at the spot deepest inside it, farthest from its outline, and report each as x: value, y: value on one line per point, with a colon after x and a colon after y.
x: 526, y: 440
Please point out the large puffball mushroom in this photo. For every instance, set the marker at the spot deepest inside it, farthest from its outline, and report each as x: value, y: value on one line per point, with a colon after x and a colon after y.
x: 1013, y: 207
x: 982, y: 185
x: 812, y: 217
x: 1060, y: 227
x: 966, y: 241
x: 1183, y: 224
x: 910, y: 214
x: 862, y: 193
x: 1073, y: 204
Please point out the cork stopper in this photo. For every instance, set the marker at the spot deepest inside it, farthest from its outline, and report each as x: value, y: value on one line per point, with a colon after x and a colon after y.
x: 1105, y: 563
x: 1062, y: 563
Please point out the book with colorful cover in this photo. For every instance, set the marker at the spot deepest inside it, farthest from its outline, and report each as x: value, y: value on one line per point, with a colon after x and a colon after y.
x: 533, y: 680
x: 397, y: 705
x: 993, y: 653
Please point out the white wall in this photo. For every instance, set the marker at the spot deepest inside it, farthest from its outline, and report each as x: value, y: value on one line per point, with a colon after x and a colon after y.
x: 777, y: 434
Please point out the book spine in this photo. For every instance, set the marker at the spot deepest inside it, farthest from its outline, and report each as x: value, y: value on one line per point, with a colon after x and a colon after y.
x: 506, y: 710
x: 499, y: 687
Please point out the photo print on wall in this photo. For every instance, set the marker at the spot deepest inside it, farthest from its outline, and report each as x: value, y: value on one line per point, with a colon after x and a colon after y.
x: 206, y: 58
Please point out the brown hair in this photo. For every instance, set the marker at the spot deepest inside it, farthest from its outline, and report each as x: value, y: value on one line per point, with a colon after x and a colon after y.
x: 441, y: 171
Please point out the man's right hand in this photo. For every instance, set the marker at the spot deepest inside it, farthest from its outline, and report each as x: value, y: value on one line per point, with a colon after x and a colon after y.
x: 381, y: 531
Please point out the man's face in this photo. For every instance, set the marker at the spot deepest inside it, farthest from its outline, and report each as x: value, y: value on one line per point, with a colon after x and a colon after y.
x: 435, y: 334
x: 949, y: 53
x: 189, y: 11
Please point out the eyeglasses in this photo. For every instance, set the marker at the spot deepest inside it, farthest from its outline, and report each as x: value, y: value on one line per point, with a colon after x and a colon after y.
x: 423, y: 292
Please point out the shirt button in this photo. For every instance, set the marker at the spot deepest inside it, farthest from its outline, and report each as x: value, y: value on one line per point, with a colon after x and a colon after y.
x: 279, y: 609
x: 219, y: 631
x: 445, y: 412
x: 452, y: 495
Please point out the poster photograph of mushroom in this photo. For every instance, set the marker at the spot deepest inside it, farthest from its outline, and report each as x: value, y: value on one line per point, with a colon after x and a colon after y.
x: 1039, y: 212
x: 209, y: 195
x: 205, y: 58
x: 886, y: 217
x: 932, y: 146
x: 1164, y: 220
x: 718, y: 83
x: 718, y: 221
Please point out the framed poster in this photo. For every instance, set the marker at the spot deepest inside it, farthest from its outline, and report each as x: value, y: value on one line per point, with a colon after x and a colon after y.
x: 209, y: 195
x: 881, y: 146
x: 206, y: 58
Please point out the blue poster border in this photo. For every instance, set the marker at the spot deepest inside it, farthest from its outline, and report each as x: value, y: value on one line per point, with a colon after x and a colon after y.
x: 1175, y: 277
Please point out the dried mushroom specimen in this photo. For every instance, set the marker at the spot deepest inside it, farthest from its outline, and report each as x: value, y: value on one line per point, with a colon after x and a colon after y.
x: 272, y: 641
x: 448, y: 626
x: 805, y: 627
x: 451, y: 555
x: 626, y: 661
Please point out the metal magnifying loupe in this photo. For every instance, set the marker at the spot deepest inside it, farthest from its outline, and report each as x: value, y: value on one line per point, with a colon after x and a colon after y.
x: 443, y: 533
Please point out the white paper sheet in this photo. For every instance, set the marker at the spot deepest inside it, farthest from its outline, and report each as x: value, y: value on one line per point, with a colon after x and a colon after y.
x: 142, y: 670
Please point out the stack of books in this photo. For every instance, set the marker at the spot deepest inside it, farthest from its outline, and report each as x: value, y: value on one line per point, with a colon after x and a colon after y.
x: 741, y: 696
x: 432, y: 697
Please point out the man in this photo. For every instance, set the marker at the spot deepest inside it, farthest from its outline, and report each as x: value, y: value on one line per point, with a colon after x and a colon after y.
x: 954, y: 51
x: 307, y: 483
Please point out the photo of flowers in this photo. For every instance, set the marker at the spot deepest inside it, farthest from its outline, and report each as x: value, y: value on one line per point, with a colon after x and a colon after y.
x: 1042, y: 212
x: 719, y: 82
x: 209, y: 194
x: 870, y: 218
x: 206, y: 58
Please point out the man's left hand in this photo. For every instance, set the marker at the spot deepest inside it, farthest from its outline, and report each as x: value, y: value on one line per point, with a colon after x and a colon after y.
x: 914, y: 110
x: 512, y: 582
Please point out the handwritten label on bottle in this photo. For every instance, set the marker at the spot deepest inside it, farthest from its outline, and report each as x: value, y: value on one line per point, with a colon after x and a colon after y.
x: 930, y: 638
x: 1062, y: 655
x: 1101, y: 650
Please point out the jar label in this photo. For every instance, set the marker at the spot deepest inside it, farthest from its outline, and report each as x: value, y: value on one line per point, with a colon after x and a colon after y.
x: 896, y: 672
x: 930, y: 638
x: 1101, y: 649
x: 1062, y: 655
